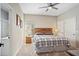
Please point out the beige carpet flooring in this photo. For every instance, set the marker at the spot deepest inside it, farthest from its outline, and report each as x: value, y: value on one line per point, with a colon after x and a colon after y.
x: 27, y: 50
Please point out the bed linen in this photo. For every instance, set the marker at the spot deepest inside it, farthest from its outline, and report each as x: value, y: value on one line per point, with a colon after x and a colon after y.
x: 45, y: 43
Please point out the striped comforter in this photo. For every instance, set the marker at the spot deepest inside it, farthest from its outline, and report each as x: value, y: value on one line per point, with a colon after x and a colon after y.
x: 49, y: 40
x: 52, y: 43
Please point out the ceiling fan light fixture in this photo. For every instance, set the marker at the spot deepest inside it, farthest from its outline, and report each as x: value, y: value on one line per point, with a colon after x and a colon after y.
x: 49, y: 7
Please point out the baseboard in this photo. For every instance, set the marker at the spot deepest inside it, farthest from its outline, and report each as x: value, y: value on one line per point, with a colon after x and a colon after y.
x: 15, y: 54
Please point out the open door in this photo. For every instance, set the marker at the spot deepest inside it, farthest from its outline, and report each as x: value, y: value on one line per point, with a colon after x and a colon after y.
x: 5, y: 30
x: 0, y: 28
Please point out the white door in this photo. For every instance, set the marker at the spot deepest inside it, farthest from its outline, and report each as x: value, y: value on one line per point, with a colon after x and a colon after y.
x: 70, y: 30
x: 0, y: 36
x: 5, y: 48
x: 0, y: 28
x: 61, y: 27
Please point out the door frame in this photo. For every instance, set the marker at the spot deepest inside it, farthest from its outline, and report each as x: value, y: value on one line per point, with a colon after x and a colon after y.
x: 0, y: 28
x: 8, y: 8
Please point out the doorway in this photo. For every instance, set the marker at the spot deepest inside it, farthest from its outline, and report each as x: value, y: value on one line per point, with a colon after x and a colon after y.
x: 5, y: 30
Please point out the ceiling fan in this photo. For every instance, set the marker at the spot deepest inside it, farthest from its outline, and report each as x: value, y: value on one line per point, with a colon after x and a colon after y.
x: 50, y: 6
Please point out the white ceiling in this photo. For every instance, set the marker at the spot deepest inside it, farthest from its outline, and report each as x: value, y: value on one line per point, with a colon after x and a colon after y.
x: 33, y: 8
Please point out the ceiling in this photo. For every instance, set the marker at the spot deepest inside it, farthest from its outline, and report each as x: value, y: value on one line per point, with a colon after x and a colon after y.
x: 33, y: 8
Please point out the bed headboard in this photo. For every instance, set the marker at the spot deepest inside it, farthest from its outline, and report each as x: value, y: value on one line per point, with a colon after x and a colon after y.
x: 43, y: 30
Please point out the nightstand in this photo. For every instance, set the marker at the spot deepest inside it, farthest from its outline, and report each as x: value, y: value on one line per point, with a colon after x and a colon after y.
x: 28, y: 40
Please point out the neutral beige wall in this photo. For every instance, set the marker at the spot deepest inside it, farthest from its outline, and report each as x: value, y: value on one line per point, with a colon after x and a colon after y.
x: 17, y: 32
x: 41, y: 21
x: 69, y: 14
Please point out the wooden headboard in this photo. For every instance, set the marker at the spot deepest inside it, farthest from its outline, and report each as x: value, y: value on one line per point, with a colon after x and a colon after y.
x: 42, y: 30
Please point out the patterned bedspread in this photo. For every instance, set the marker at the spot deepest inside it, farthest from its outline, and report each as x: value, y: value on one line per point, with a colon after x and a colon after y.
x: 49, y: 40
x: 52, y: 43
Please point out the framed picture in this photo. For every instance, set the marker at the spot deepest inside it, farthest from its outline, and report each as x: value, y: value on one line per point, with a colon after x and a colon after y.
x: 18, y: 21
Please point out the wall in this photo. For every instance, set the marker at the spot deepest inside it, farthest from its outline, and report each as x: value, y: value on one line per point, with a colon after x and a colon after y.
x: 38, y: 21
x: 41, y: 21
x: 71, y: 13
x: 17, y: 32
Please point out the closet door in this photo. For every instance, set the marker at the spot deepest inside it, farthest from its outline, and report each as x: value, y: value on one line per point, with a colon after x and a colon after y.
x: 70, y: 30
x: 77, y: 32
x: 61, y: 27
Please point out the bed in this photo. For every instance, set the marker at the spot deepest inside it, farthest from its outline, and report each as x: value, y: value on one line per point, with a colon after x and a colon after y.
x: 44, y: 41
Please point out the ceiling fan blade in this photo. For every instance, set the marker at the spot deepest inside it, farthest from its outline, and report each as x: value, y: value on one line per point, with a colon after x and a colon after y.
x: 46, y: 10
x: 49, y: 4
x: 44, y: 7
x: 55, y: 4
x: 54, y: 8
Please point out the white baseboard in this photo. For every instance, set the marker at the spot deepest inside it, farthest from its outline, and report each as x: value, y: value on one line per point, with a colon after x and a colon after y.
x: 15, y: 54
